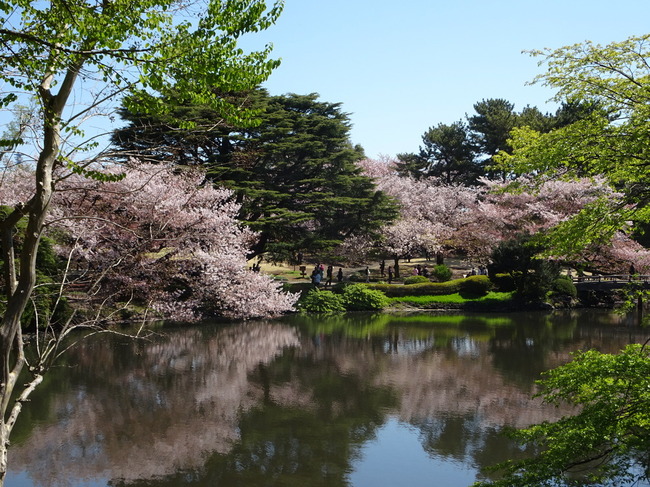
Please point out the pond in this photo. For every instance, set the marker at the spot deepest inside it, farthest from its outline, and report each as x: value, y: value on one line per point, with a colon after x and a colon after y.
x: 358, y: 401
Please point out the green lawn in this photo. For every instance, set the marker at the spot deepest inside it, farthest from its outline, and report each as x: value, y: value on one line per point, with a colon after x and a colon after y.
x: 491, y: 297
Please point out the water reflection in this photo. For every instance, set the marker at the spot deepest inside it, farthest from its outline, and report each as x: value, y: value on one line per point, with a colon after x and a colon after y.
x: 296, y: 401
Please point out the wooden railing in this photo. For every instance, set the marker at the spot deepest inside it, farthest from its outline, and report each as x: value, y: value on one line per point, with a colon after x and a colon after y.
x: 613, y: 278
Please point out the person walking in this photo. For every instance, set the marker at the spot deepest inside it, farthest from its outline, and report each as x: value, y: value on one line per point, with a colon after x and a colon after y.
x: 316, y: 278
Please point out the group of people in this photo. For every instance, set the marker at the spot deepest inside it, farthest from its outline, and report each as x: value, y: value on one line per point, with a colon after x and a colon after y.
x: 382, y: 271
x: 481, y: 271
x: 420, y: 270
x: 319, y: 272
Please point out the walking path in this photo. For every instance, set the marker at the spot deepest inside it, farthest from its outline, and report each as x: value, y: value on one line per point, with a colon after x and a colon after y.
x: 292, y: 273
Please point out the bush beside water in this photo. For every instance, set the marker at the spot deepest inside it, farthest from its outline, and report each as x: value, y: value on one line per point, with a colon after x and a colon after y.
x: 355, y: 297
x: 316, y: 301
x: 358, y: 297
x: 564, y: 286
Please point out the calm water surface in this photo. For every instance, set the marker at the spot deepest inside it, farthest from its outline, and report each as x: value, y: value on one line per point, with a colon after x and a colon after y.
x: 356, y: 401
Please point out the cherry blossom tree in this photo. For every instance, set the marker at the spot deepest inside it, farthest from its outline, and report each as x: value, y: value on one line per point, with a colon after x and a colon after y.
x: 430, y: 212
x: 158, y: 237
x: 502, y: 214
x: 472, y: 221
x: 545, y: 209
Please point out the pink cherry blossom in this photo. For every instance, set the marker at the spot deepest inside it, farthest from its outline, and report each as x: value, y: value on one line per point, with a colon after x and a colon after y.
x: 160, y: 236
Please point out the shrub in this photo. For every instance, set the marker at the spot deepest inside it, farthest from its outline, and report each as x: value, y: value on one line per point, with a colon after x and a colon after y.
x: 338, y: 287
x: 441, y: 272
x: 415, y: 279
x: 423, y: 289
x: 358, y: 297
x: 535, y: 286
x: 476, y: 285
x: 504, y: 282
x: 564, y: 287
x: 316, y: 301
x: 533, y: 277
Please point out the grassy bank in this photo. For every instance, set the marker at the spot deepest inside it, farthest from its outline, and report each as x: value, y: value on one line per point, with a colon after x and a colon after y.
x: 456, y: 298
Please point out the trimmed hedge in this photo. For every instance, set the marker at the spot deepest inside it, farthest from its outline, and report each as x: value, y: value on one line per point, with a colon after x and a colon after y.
x: 478, y: 285
x: 415, y: 280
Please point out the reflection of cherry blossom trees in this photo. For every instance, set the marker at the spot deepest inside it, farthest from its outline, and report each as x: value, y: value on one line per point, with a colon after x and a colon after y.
x: 138, y: 410
x: 161, y: 237
x: 168, y: 403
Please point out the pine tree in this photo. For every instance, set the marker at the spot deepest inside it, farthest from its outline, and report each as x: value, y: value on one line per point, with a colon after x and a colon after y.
x: 295, y: 173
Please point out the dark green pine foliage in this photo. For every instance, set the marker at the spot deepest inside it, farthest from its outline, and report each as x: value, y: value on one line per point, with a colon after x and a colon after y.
x: 491, y: 125
x: 304, y: 191
x: 447, y: 153
x: 461, y: 153
x: 187, y: 135
x: 294, y: 173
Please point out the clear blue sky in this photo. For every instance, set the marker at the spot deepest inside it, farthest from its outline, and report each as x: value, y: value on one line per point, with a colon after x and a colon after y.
x: 400, y: 67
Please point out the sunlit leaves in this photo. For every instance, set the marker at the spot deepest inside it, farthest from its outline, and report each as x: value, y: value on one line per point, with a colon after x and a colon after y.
x: 143, y: 46
x: 615, y: 75
x: 612, y: 142
x: 609, y: 436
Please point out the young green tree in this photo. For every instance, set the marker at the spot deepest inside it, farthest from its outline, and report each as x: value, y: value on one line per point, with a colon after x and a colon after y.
x: 76, y: 58
x: 607, y: 441
x: 612, y: 140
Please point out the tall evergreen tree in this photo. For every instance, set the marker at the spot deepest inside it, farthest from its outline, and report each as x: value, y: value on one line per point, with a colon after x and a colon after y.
x: 491, y: 125
x: 295, y: 173
x: 447, y: 153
